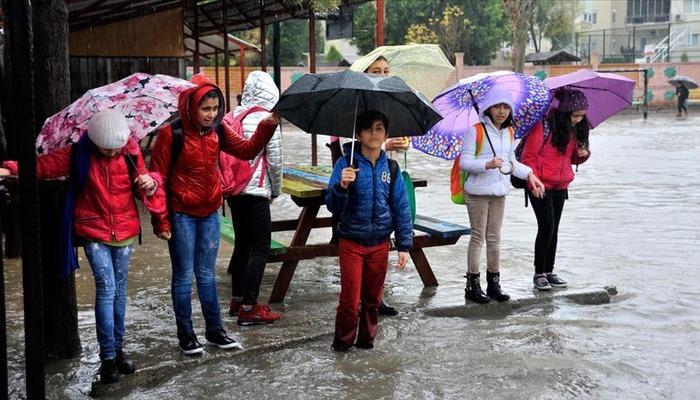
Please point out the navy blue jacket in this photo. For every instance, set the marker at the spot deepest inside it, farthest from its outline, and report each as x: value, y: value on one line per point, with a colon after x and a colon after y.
x: 367, y: 214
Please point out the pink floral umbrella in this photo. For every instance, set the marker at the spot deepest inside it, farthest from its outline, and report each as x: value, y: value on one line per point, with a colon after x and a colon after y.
x: 145, y: 100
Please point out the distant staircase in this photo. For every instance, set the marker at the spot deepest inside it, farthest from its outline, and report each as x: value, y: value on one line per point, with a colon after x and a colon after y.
x: 678, y: 37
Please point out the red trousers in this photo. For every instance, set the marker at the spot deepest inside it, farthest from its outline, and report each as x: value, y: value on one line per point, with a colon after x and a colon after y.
x: 362, y: 274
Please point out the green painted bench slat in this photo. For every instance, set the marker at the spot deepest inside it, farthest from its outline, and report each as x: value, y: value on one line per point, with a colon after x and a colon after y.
x: 228, y: 235
x: 436, y: 227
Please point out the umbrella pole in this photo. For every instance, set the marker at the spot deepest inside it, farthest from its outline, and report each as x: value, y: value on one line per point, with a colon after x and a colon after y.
x: 354, y: 123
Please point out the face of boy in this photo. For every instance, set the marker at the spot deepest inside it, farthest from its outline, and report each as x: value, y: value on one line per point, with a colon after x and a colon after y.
x: 379, y: 67
x: 374, y: 137
x: 207, y: 111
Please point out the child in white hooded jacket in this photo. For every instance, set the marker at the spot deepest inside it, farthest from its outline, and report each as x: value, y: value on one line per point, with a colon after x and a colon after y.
x: 486, y: 186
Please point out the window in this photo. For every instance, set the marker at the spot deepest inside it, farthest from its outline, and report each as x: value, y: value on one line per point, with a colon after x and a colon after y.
x: 613, y: 16
x: 695, y: 40
x: 649, y: 11
x: 691, y: 6
x: 595, y: 17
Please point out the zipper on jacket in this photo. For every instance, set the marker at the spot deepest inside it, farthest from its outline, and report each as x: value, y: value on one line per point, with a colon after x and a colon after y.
x: 111, y: 202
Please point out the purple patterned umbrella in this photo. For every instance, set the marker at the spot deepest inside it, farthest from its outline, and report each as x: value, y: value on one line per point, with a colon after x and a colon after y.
x: 530, y: 98
x: 145, y: 100
x: 607, y: 93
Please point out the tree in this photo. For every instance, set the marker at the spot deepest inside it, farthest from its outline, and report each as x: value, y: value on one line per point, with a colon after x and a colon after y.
x: 333, y: 55
x: 519, y: 13
x: 399, y: 15
x: 491, y: 28
x: 551, y: 19
x: 451, y: 31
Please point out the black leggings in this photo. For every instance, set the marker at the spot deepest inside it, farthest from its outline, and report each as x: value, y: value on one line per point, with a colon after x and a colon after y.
x: 252, y: 227
x: 682, y: 105
x: 548, y: 212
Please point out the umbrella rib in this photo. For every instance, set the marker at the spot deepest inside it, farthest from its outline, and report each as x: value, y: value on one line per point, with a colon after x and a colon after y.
x: 405, y: 106
x: 318, y: 110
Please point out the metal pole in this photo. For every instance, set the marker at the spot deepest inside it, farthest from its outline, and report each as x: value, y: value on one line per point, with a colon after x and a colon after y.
x: 276, y: 54
x: 3, y: 326
x: 602, y: 60
x: 634, y: 44
x: 668, y: 44
x: 312, y: 69
x: 195, y: 56
x: 379, y: 34
x: 263, y: 47
x: 227, y: 55
x: 589, y: 49
x: 216, y: 67
x: 646, y: 87
x: 19, y: 19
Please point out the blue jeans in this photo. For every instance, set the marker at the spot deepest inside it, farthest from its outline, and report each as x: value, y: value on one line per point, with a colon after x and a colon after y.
x: 193, y: 248
x: 110, y: 267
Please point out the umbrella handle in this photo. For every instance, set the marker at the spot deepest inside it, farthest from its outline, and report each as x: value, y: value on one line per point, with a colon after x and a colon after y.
x: 474, y: 105
x: 510, y: 171
x: 354, y: 122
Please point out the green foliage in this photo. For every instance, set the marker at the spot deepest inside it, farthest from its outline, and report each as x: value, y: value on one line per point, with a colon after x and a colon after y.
x: 670, y: 72
x: 684, y: 57
x: 541, y: 75
x: 650, y: 73
x: 333, y: 55
x: 613, y: 60
x: 650, y: 96
x: 296, y: 76
x: 669, y: 95
x: 410, y: 20
x: 551, y: 19
x: 294, y: 41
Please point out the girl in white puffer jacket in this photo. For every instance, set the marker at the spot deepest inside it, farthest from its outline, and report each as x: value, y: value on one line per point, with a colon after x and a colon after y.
x: 486, y: 187
x: 250, y: 209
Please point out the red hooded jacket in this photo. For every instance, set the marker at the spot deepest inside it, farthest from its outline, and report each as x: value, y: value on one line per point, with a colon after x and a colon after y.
x: 105, y: 209
x: 549, y: 164
x: 193, y: 182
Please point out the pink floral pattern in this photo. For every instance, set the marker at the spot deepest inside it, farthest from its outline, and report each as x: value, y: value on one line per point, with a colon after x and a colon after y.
x: 145, y: 100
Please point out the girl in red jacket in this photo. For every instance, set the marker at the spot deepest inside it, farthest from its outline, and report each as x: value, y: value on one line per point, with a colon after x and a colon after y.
x: 190, y: 171
x: 106, y: 170
x: 551, y: 148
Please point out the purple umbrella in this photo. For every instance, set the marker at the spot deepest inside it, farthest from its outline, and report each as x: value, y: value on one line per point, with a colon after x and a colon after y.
x: 530, y: 97
x: 607, y: 93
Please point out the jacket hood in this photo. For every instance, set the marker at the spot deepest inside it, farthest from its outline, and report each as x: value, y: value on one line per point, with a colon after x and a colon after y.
x: 495, y: 96
x: 259, y: 90
x: 189, y: 100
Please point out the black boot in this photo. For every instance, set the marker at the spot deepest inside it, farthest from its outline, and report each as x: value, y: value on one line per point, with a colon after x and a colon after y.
x: 124, y: 364
x: 473, y: 290
x: 386, y: 309
x: 108, y: 371
x: 493, y: 290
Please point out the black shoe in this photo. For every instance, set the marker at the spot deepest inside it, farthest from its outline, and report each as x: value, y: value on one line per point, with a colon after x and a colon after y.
x: 124, y: 365
x: 108, y: 371
x: 541, y: 283
x: 364, y: 345
x: 220, y: 339
x: 473, y: 290
x: 555, y: 281
x: 385, y: 309
x: 190, y: 345
x: 493, y: 290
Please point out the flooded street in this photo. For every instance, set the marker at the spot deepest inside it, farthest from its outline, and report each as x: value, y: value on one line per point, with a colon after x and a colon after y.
x: 631, y: 221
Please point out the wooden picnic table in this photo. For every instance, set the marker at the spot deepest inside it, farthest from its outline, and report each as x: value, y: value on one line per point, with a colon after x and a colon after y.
x: 306, y: 185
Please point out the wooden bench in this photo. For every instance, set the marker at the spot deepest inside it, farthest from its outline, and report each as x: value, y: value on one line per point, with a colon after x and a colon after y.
x: 436, y: 227
x: 694, y: 96
x: 228, y: 235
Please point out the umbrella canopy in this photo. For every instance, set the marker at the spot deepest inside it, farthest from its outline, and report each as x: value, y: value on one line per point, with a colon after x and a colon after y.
x: 423, y: 66
x: 145, y: 100
x: 530, y: 100
x: 685, y: 80
x: 328, y: 104
x: 607, y: 93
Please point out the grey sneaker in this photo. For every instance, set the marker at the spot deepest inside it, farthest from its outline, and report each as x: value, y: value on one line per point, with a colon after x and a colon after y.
x: 555, y: 281
x: 541, y: 282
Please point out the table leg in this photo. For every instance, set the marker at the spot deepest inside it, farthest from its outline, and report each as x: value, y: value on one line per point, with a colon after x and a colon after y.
x: 284, y: 278
x: 423, y: 267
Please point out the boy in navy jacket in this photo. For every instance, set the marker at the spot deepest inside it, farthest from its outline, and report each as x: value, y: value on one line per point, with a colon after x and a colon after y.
x: 370, y: 207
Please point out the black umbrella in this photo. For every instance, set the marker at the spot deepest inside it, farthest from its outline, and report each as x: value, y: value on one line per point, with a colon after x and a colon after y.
x: 328, y: 104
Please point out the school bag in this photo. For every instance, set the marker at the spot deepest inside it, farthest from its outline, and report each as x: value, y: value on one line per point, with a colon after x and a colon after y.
x: 522, y: 183
x: 238, y: 172
x: 458, y: 176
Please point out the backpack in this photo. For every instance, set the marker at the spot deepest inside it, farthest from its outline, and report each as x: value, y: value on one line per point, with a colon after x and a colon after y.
x: 458, y: 176
x: 393, y: 172
x: 238, y: 172
x: 178, y: 141
x: 522, y: 183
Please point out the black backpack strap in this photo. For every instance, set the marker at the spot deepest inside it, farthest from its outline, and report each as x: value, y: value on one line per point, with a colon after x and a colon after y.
x: 393, y: 172
x: 178, y: 141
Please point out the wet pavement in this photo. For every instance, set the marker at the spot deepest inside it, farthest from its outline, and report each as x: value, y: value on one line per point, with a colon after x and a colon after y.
x: 631, y: 222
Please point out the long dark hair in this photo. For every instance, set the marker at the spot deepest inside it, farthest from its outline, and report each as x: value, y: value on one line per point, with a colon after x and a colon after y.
x: 562, y: 130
